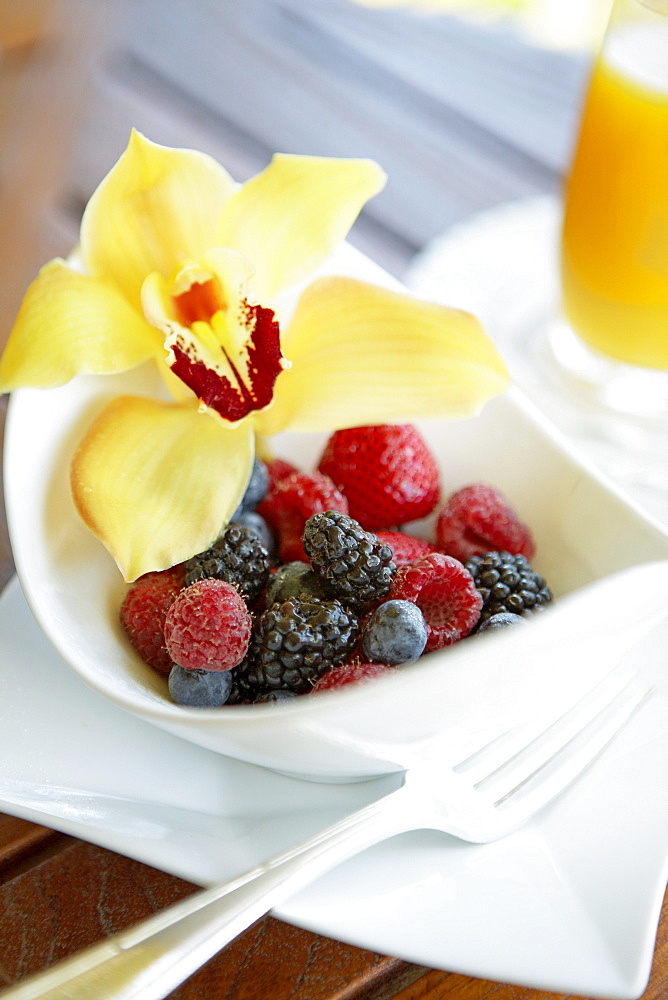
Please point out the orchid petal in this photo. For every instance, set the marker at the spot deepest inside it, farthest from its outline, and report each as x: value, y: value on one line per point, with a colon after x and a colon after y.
x: 288, y: 219
x: 364, y: 355
x: 69, y: 324
x: 156, y: 208
x: 156, y: 482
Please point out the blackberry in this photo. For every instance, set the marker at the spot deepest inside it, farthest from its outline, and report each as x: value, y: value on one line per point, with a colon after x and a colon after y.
x: 504, y: 619
x: 274, y: 696
x: 293, y: 579
x: 296, y: 641
x: 242, y: 691
x: 356, y: 565
x: 256, y: 523
x: 238, y: 557
x: 507, y: 583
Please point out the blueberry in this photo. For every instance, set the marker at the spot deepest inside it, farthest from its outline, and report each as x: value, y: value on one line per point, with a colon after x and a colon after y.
x: 257, y: 524
x: 395, y: 633
x: 502, y: 620
x: 199, y: 688
x: 256, y: 491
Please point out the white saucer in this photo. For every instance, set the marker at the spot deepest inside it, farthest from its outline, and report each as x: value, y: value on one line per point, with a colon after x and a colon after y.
x: 569, y: 904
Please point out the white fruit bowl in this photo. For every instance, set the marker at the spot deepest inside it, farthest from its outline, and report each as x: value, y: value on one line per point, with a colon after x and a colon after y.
x: 588, y: 538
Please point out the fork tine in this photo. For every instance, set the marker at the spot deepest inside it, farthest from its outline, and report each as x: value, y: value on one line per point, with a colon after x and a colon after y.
x: 536, y: 775
x: 498, y: 762
x: 571, y: 758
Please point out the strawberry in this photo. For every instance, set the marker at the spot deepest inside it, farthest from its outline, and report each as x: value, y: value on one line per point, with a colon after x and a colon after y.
x: 387, y: 474
x: 277, y: 469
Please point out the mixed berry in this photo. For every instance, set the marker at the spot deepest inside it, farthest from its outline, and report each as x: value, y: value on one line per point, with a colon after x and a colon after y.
x: 317, y: 582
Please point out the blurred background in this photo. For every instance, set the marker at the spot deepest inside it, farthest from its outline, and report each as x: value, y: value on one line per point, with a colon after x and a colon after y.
x: 465, y: 104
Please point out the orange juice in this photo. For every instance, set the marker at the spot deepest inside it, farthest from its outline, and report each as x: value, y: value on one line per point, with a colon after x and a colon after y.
x: 615, y: 236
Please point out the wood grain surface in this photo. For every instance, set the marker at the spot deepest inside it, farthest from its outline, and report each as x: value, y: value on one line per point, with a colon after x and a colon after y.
x: 58, y: 895
x: 462, y: 116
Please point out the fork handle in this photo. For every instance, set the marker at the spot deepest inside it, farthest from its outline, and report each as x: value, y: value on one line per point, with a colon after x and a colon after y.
x: 150, y: 960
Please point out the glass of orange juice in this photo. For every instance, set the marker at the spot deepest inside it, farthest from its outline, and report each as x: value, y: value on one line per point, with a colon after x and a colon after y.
x: 614, y: 247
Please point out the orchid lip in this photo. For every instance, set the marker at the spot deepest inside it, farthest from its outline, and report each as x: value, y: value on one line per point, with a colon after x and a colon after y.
x: 248, y: 383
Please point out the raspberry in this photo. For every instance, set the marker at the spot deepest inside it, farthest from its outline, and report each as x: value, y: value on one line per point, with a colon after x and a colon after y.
x: 208, y: 627
x: 387, y: 473
x: 356, y: 567
x: 445, y: 593
x: 290, y: 504
x: 478, y: 519
x: 143, y: 614
x: 508, y: 583
x: 351, y: 673
x: 296, y: 641
x: 405, y: 548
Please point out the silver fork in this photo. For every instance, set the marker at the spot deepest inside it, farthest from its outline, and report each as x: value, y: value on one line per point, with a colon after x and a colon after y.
x: 479, y: 799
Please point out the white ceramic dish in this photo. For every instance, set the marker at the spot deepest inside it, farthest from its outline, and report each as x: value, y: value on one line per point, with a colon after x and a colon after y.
x: 568, y: 904
x: 584, y: 530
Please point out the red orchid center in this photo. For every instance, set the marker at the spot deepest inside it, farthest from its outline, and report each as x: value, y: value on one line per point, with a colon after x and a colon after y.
x: 229, y: 380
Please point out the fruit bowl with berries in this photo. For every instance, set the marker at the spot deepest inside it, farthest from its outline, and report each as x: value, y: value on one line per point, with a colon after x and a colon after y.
x: 377, y: 588
x: 260, y: 496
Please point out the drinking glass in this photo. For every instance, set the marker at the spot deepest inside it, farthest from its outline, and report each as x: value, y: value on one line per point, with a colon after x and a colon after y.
x: 612, y: 340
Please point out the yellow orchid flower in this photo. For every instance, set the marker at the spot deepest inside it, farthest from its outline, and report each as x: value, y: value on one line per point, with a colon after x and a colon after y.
x: 181, y: 267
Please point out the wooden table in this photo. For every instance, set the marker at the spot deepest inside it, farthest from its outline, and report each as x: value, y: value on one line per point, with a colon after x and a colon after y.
x: 461, y: 117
